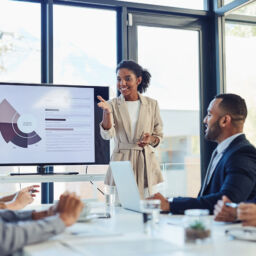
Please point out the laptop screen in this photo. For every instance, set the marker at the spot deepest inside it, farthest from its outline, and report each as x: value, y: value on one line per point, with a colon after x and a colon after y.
x: 126, y: 185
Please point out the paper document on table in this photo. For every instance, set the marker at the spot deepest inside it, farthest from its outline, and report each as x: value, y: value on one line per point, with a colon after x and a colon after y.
x: 85, y: 230
x: 176, y: 221
x: 50, y: 248
x: 117, y: 247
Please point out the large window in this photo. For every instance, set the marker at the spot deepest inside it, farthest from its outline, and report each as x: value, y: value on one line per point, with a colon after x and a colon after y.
x: 249, y: 9
x: 174, y: 66
x: 84, y: 54
x: 240, y: 69
x: 20, y: 54
x: 191, y: 4
x: 20, y: 51
x: 228, y: 1
x: 85, y: 46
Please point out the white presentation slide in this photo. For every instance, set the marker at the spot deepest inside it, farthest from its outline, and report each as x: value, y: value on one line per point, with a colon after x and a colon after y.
x: 46, y: 124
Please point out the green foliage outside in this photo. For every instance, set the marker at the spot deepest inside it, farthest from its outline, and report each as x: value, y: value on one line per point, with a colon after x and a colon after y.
x: 6, y: 46
x: 249, y: 10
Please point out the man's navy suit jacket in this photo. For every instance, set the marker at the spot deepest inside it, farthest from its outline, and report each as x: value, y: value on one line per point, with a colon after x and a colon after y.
x: 234, y: 176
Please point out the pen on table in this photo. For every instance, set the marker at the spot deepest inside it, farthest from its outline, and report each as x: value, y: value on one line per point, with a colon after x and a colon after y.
x: 32, y: 191
x: 232, y: 205
x: 98, y: 188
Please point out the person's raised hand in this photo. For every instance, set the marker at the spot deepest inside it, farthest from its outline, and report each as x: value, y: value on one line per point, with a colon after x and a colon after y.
x: 165, y: 205
x: 69, y: 208
x: 21, y: 199
x: 223, y: 212
x: 31, y: 189
x: 247, y: 214
x: 103, y: 105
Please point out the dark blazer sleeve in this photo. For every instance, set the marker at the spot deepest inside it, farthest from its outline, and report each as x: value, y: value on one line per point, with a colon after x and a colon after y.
x: 235, y: 178
x: 251, y: 201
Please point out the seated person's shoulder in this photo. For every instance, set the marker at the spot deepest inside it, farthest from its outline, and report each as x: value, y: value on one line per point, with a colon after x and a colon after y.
x: 246, y: 148
x: 244, y: 157
x: 242, y: 147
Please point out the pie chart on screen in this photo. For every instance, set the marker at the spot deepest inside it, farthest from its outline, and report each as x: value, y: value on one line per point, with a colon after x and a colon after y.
x: 16, y: 128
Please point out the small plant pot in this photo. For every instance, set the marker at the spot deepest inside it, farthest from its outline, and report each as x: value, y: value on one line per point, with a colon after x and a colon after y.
x: 191, y: 235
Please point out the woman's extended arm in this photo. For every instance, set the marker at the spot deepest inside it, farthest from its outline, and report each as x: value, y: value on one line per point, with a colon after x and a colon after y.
x: 106, y: 120
x: 7, y: 198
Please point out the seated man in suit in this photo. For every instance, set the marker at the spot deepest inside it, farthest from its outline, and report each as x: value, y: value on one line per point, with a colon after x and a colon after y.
x: 232, y: 169
x: 246, y: 212
x: 18, y: 229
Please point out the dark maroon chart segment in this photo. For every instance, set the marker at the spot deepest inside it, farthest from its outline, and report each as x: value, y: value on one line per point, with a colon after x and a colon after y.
x: 10, y: 130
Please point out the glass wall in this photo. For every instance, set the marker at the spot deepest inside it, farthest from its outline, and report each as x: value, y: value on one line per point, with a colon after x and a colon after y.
x: 20, y: 55
x: 174, y: 66
x: 228, y: 1
x: 20, y: 38
x: 84, y: 54
x: 249, y: 9
x: 240, y: 69
x: 190, y: 4
x: 85, y: 46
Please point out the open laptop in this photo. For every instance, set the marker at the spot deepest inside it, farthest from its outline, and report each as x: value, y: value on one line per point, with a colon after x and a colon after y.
x: 126, y: 185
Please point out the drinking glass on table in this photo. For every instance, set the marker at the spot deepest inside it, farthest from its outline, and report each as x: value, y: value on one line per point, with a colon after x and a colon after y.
x: 110, y: 195
x: 150, y: 210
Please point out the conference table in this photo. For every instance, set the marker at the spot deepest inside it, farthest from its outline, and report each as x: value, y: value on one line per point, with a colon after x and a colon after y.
x: 124, y: 234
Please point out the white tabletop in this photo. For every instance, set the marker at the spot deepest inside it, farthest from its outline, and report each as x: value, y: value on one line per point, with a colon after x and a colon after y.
x: 123, y: 234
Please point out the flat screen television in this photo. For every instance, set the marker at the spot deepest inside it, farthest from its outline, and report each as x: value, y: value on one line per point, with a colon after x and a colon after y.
x: 45, y: 124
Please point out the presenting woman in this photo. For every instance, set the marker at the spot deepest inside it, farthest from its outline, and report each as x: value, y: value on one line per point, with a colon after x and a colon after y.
x: 135, y: 124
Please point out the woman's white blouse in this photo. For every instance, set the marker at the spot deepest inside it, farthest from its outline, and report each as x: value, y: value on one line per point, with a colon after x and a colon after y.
x: 133, y: 109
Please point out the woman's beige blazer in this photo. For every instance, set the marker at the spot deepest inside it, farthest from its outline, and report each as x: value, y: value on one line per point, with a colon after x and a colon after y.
x: 145, y: 165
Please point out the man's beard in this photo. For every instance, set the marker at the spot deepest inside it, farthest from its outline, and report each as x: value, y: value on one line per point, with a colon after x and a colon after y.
x: 213, y: 132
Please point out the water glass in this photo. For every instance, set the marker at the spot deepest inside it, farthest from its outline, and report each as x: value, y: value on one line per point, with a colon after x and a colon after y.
x: 110, y: 195
x: 150, y: 210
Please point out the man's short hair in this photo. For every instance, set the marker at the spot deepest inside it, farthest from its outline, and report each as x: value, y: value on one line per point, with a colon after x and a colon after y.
x: 234, y: 105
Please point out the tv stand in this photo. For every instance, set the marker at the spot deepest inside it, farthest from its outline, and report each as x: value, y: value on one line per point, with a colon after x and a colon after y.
x: 46, y: 179
x: 57, y: 173
x: 44, y: 170
x: 46, y: 187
